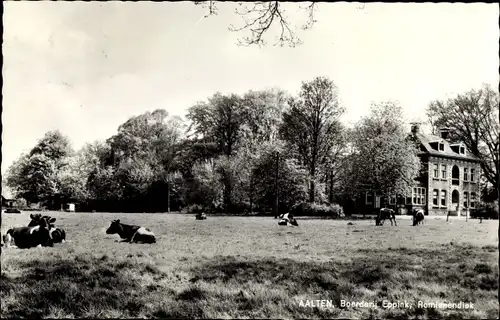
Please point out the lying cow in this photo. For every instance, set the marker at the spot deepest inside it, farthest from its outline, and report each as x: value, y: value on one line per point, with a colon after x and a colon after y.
x: 385, y: 213
x: 131, y: 233
x: 418, y: 217
x: 201, y: 216
x: 286, y: 219
x: 57, y: 234
x: 29, y: 237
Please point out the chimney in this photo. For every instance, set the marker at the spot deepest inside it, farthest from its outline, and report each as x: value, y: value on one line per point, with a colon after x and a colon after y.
x: 415, y: 127
x: 443, y: 133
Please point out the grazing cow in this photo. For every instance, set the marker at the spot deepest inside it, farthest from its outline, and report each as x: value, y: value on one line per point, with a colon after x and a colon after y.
x: 385, y: 213
x: 201, y: 216
x: 286, y: 219
x: 29, y: 237
x: 418, y: 216
x: 57, y: 234
x: 131, y: 233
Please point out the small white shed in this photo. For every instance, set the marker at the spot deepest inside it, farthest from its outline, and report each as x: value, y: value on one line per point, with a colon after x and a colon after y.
x: 71, y: 207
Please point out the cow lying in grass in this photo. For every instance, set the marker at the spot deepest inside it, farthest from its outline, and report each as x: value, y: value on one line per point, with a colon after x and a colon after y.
x: 201, y: 216
x: 30, y: 237
x: 385, y: 213
x: 57, y: 234
x: 131, y: 233
x: 418, y: 217
x: 286, y: 219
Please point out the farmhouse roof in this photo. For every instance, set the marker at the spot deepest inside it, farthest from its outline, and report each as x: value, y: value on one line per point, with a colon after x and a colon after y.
x: 426, y: 140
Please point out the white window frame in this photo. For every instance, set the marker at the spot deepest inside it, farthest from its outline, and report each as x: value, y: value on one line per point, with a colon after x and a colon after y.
x: 472, y: 174
x: 392, y: 200
x: 435, y: 196
x: 444, y: 171
x: 436, y: 170
x: 466, y: 199
x: 472, y: 203
x: 418, y: 195
x: 443, y: 196
x: 441, y: 146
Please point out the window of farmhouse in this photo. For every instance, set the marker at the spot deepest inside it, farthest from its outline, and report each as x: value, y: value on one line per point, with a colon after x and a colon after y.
x: 455, y: 176
x: 472, y: 175
x: 443, y: 198
x: 418, y: 195
x: 392, y: 200
x: 369, y: 198
x: 441, y: 147
x: 466, y: 198
x: 472, y: 199
x: 436, y: 171
x: 466, y: 174
x: 435, y: 195
x: 443, y: 171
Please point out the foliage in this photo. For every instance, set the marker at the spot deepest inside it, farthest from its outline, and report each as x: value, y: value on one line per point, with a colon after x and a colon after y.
x: 311, y: 126
x: 314, y: 209
x: 473, y: 118
x: 382, y: 158
x: 219, y: 120
x: 290, y: 182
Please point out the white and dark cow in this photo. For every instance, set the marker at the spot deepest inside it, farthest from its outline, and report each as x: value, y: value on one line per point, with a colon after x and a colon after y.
x: 385, y: 213
x: 29, y: 237
x: 131, y: 233
x: 201, y: 216
x: 57, y: 234
x: 418, y: 217
x: 286, y: 219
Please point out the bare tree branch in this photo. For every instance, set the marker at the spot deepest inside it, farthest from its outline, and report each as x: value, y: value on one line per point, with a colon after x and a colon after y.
x: 259, y: 17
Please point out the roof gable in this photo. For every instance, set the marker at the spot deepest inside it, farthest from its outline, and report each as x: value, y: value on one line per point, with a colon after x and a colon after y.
x: 431, y: 145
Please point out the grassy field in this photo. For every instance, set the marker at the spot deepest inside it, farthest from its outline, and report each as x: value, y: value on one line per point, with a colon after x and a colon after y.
x: 248, y: 267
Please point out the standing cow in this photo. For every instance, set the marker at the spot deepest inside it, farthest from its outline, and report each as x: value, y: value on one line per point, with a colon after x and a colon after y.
x: 57, y: 234
x: 131, y: 233
x: 418, y: 217
x: 385, y: 213
x: 29, y: 237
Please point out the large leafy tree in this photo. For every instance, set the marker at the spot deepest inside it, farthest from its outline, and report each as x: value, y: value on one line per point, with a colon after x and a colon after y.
x: 143, y: 153
x: 219, y: 120
x: 311, y: 126
x: 277, y: 176
x: 382, y: 157
x: 39, y: 175
x: 473, y: 118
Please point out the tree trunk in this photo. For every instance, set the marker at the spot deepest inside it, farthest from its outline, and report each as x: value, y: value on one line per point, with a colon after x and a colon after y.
x: 330, y: 195
x: 311, y: 191
x: 168, y: 195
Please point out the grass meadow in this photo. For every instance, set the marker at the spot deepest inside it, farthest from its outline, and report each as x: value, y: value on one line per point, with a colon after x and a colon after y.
x: 249, y: 267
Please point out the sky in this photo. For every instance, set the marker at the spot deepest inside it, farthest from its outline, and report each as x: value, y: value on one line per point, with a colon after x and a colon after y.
x: 84, y: 68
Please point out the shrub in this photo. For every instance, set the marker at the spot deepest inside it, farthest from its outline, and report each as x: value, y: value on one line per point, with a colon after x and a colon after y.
x: 193, y: 208
x: 487, y: 210
x: 314, y: 209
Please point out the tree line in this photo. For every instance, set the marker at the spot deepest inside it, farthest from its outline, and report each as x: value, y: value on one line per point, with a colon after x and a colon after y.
x: 262, y: 151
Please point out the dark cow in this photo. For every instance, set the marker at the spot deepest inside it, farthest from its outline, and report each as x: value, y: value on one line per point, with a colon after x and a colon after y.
x: 201, y: 216
x: 29, y: 237
x: 57, y: 234
x: 418, y: 216
x: 385, y: 213
x: 131, y: 233
x: 286, y: 219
